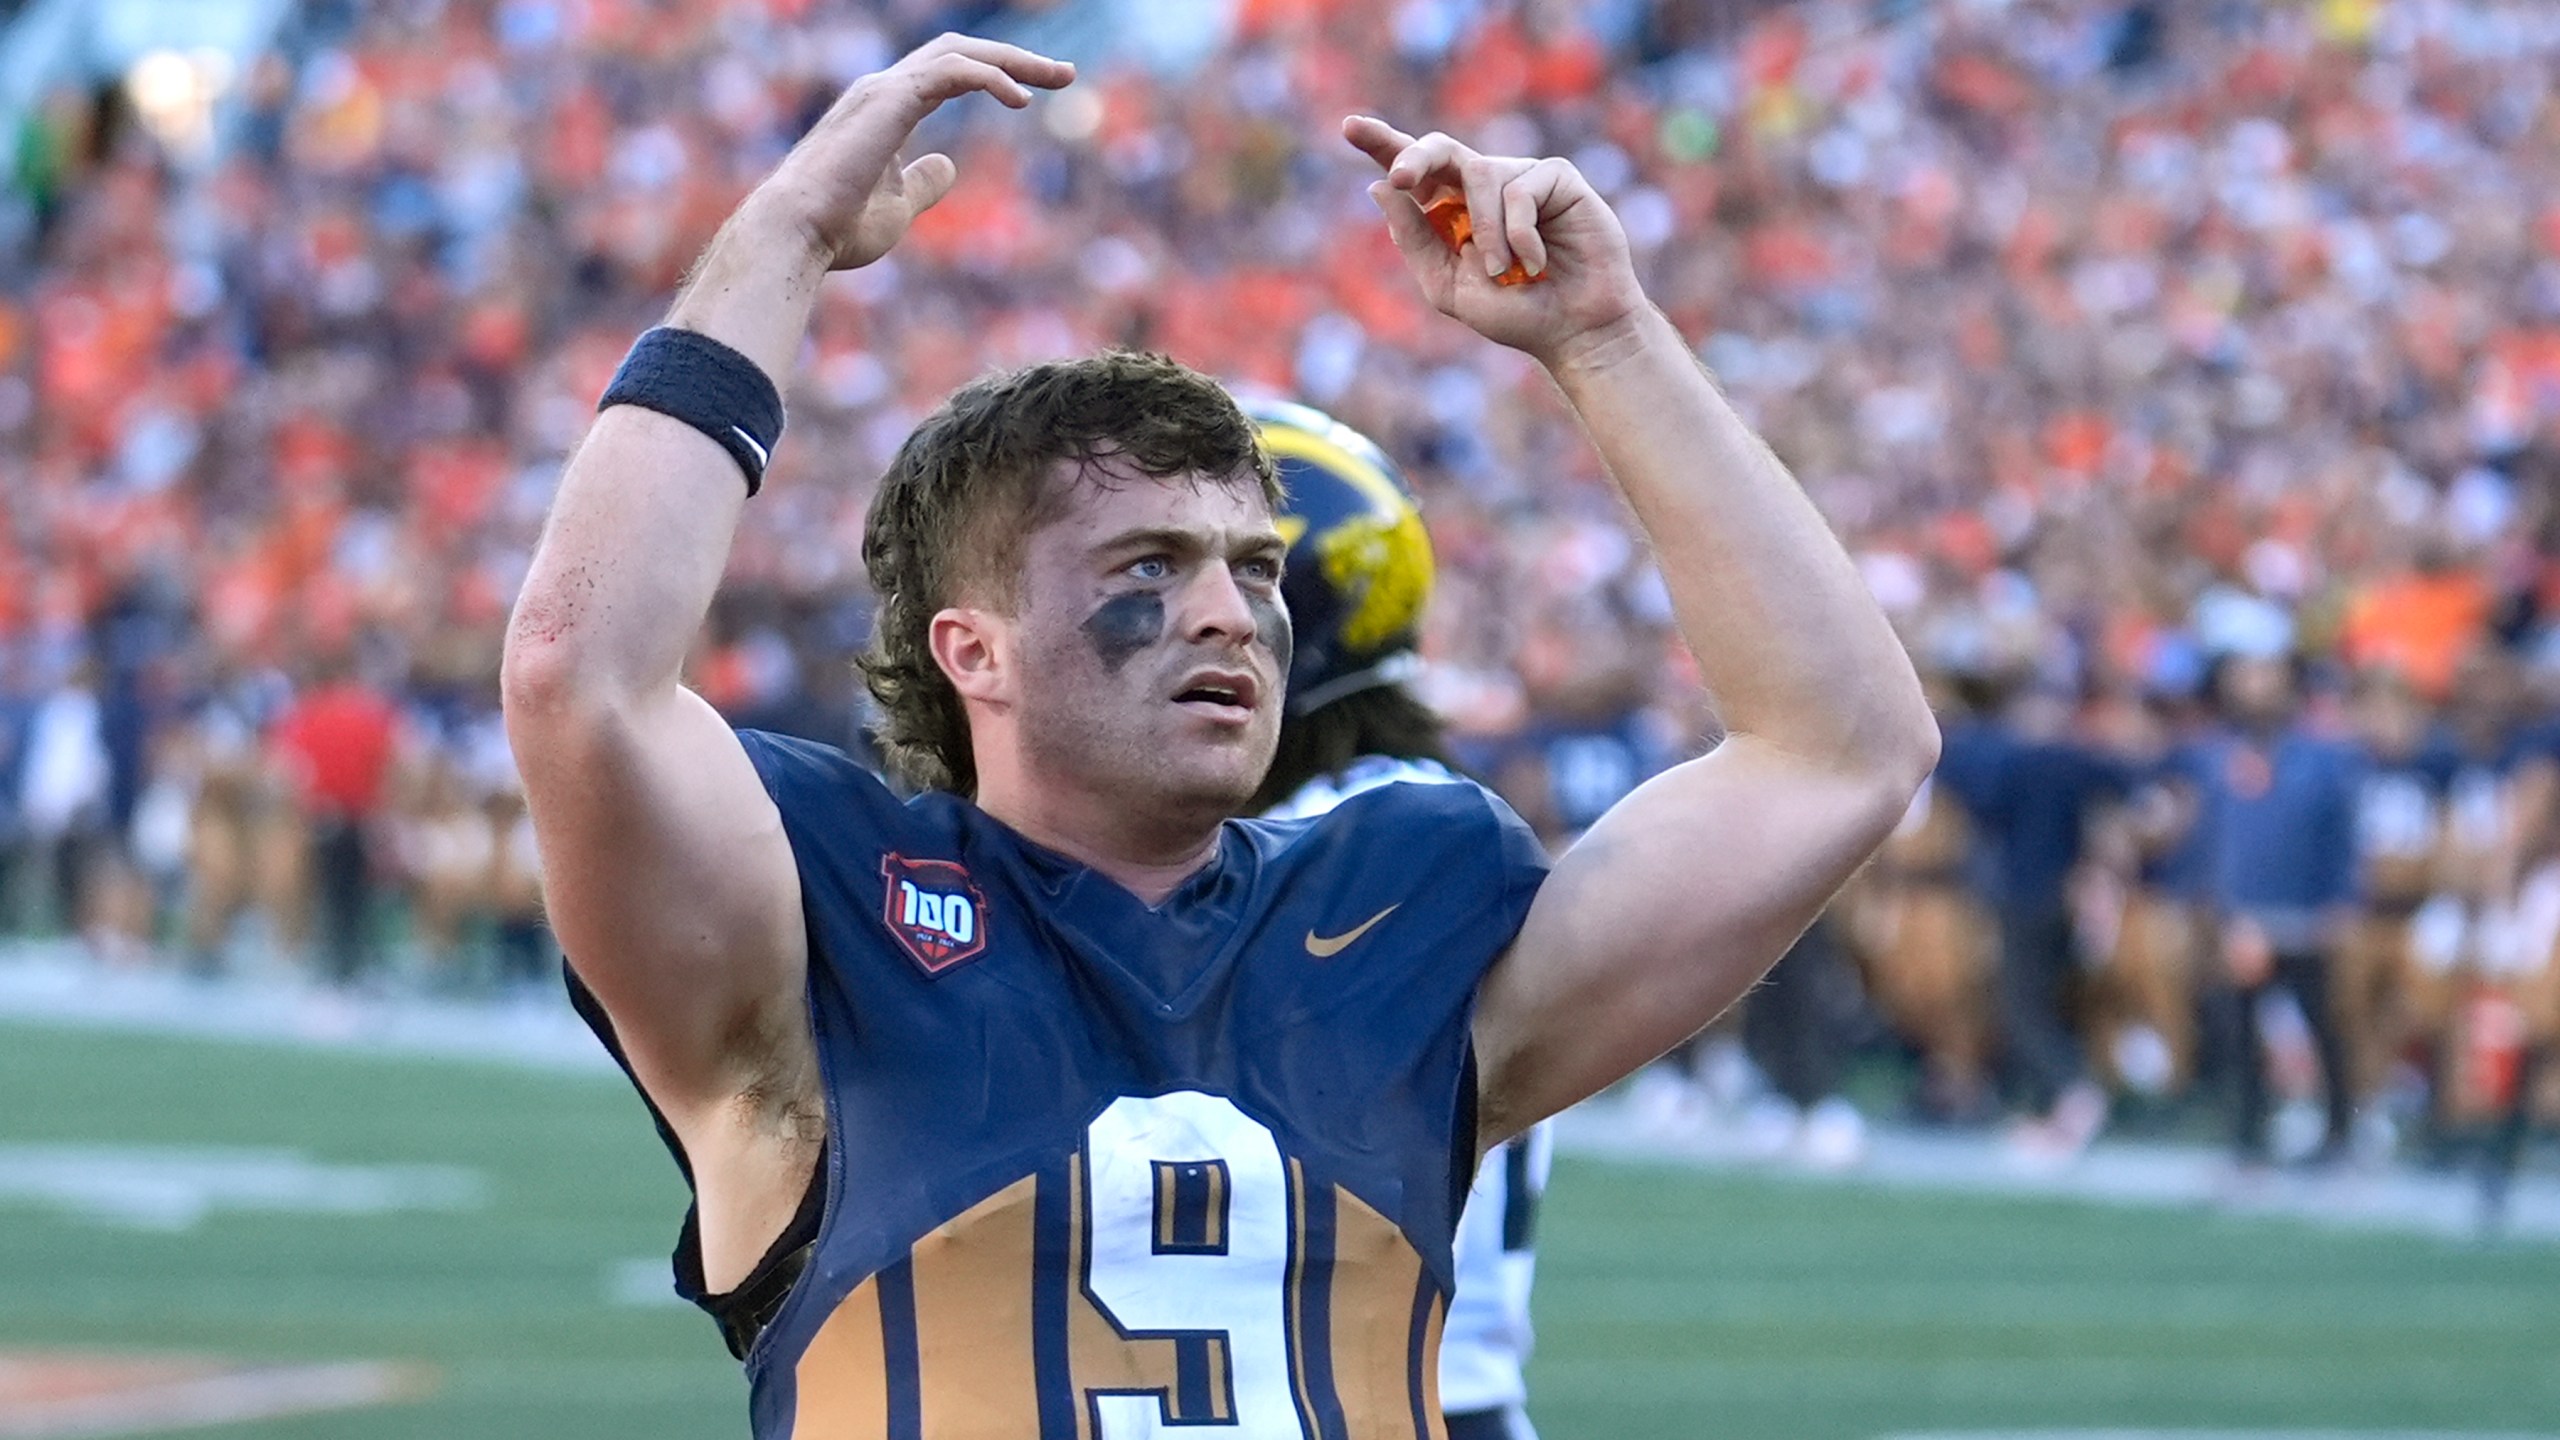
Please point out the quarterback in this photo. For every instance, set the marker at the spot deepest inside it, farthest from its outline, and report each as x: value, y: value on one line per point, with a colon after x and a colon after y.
x: 1053, y: 1101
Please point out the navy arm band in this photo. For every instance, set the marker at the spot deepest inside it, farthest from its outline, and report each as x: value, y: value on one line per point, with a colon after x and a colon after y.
x: 691, y: 377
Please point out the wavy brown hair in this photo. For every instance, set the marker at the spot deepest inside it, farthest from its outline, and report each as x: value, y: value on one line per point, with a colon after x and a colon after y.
x: 977, y: 477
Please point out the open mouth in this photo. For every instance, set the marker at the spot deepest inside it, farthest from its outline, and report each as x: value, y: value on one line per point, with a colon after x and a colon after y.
x: 1223, y: 696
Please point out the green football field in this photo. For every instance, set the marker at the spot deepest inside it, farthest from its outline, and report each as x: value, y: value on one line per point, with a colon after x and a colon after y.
x: 1670, y: 1304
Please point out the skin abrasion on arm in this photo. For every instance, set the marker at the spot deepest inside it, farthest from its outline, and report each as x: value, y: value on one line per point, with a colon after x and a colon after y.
x: 666, y: 870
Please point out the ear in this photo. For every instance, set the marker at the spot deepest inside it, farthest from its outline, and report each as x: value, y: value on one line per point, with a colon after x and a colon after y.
x: 972, y: 648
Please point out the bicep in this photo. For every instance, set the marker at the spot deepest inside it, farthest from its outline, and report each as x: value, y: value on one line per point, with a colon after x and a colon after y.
x: 671, y: 885
x: 1673, y: 905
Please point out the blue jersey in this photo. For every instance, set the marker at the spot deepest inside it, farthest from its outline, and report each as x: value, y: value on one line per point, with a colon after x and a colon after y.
x: 1095, y: 1167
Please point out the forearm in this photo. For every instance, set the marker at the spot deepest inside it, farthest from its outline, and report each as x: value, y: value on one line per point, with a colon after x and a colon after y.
x: 640, y: 530
x: 1788, y: 639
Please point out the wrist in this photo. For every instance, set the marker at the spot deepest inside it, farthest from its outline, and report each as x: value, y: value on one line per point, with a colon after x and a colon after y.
x: 755, y: 285
x: 1599, y: 349
x: 771, y: 229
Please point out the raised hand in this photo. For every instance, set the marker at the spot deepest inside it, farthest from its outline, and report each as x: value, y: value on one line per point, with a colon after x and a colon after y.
x: 1540, y: 214
x: 840, y: 184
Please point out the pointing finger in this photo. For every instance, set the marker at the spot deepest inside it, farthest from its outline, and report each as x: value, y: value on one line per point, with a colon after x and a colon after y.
x: 1376, y: 138
x: 948, y: 77
x: 1028, y: 66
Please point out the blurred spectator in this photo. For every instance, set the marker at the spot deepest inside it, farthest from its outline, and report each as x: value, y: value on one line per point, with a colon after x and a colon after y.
x: 1926, y: 950
x: 339, y: 741
x: 1797, y: 1026
x: 62, y: 791
x: 2282, y: 818
x: 2035, y: 792
x: 2391, y: 995
x: 2141, y: 903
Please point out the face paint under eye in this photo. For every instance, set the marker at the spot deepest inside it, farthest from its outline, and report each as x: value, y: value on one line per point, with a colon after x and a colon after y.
x: 1123, y: 625
x: 1271, y: 626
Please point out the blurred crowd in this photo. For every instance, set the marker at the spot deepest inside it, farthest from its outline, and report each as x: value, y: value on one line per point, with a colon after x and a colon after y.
x: 2145, y: 355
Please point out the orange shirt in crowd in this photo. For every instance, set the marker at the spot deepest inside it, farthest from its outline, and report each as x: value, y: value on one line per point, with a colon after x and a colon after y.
x: 2422, y: 625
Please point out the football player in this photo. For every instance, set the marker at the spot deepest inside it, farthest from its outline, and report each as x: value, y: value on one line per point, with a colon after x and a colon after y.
x: 1359, y: 572
x: 1055, y: 1102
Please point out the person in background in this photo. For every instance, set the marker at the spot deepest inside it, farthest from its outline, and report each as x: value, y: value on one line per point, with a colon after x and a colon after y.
x: 242, y: 859
x: 339, y: 741
x: 2139, y: 907
x: 2034, y: 791
x: 17, y: 726
x: 525, y: 959
x: 62, y: 789
x: 1924, y: 946
x: 446, y: 855
x: 1588, y: 661
x: 2283, y: 819
x: 1357, y: 577
x: 2387, y: 998
x: 1796, y: 1029
x: 2476, y: 941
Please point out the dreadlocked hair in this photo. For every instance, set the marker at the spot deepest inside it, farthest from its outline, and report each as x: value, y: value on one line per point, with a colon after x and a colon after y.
x: 977, y: 477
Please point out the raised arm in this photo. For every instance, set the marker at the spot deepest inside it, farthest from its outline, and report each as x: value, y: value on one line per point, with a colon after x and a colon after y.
x: 665, y: 868
x: 1685, y: 893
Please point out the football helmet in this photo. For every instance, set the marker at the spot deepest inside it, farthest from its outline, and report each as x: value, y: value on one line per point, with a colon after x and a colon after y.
x: 1359, y: 569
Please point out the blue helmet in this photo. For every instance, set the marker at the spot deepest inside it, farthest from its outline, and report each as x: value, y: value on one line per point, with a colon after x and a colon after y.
x: 1360, y: 565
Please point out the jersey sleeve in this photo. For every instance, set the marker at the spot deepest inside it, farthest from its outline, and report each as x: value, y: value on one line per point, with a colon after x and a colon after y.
x: 1520, y: 860
x: 807, y: 779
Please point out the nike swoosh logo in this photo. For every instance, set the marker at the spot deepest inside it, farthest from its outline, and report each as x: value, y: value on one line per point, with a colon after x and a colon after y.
x: 763, y: 456
x: 1325, y: 947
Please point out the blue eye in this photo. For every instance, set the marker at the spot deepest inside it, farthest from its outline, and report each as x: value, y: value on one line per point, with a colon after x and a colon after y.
x: 1152, y: 567
x: 1265, y: 570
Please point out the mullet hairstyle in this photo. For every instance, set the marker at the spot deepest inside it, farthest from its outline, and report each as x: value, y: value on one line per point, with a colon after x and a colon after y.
x: 976, y: 478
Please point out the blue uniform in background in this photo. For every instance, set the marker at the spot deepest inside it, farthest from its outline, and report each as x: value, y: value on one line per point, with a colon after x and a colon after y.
x: 1094, y: 1168
x: 1591, y: 767
x: 2031, y: 800
x: 2283, y: 814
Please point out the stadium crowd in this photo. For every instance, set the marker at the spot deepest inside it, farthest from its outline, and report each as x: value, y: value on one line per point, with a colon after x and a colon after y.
x: 2185, y: 378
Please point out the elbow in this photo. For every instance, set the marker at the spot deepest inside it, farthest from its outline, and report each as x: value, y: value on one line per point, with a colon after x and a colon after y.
x: 549, y: 677
x: 1917, y: 752
x: 1902, y: 753
x: 1898, y: 761
x: 536, y: 678
x: 561, y: 720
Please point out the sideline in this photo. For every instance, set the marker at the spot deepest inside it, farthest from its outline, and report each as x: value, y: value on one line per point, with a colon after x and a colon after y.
x: 2138, y: 1174
x: 55, y: 984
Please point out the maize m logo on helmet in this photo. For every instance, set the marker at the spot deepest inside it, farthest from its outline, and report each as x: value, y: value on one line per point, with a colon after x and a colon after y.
x: 935, y: 910
x: 1360, y: 564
